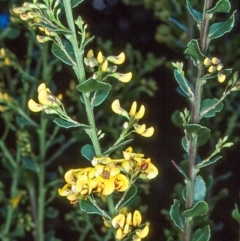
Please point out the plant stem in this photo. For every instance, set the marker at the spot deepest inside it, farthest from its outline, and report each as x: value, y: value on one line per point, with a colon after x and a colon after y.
x: 112, y: 211
x: 80, y: 72
x: 195, y: 113
x: 10, y: 207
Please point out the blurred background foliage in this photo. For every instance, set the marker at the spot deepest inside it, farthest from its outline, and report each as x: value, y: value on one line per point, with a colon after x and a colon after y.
x: 152, y: 33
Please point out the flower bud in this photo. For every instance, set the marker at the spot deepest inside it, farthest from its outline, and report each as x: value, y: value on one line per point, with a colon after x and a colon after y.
x: 221, y: 77
x: 207, y: 62
x: 216, y: 60
x: 211, y: 69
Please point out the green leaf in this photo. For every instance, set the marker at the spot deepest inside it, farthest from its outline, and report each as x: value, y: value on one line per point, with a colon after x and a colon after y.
x: 88, y: 152
x: 176, y: 215
x: 194, y: 51
x: 183, y: 83
x: 196, y: 15
x: 132, y: 191
x: 180, y: 170
x: 74, y: 3
x: 51, y: 212
x: 217, y: 30
x: 100, y: 96
x: 208, y: 162
x: 64, y: 53
x: 66, y: 124
x: 199, y: 189
x: 185, y: 144
x: 201, y: 234
x: 222, y: 6
x: 176, y: 119
x: 29, y: 164
x: 89, y: 208
x: 236, y: 214
x: 91, y: 85
x: 209, y: 107
x: 198, y: 209
x: 202, y: 132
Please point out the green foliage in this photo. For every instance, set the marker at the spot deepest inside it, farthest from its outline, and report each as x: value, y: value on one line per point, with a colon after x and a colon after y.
x: 176, y: 215
x: 236, y: 214
x: 202, y: 234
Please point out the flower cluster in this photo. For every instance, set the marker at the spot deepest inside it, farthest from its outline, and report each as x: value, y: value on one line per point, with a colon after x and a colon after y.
x: 47, y: 101
x: 132, y: 164
x: 102, y: 64
x: 105, y: 176
x: 133, y: 116
x: 126, y: 224
x: 99, y: 179
x: 215, y: 65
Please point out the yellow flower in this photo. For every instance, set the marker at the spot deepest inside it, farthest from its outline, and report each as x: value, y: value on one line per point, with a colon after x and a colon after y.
x: 148, y: 170
x: 121, y: 183
x: 117, y: 59
x: 137, y: 218
x: 70, y: 192
x: 118, y: 221
x: 102, y: 185
x: 133, y: 111
x: 46, y: 101
x: 106, y: 172
x: 125, y: 224
x: 118, y: 109
x: 125, y: 78
x: 142, y: 233
x: 83, y: 186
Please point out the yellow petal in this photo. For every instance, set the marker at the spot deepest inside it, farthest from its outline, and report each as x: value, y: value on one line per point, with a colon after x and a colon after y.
x: 140, y: 113
x: 90, y: 54
x: 152, y: 171
x: 41, y: 87
x: 121, y: 183
x: 126, y: 228
x: 129, y: 218
x: 118, y: 109
x: 148, y: 132
x: 118, y: 221
x: 117, y: 59
x: 100, y: 58
x: 104, y: 66
x: 137, y: 218
x: 142, y: 233
x: 65, y: 190
x: 133, y: 109
x: 33, y: 106
x: 43, y: 98
x: 125, y: 78
x: 119, y: 234
x: 140, y: 129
